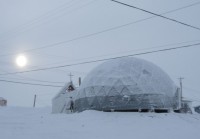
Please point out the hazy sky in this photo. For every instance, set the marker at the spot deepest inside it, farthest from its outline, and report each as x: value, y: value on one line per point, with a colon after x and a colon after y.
x: 29, y: 24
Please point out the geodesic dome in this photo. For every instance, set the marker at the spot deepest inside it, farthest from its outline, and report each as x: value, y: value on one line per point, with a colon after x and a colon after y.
x: 125, y: 84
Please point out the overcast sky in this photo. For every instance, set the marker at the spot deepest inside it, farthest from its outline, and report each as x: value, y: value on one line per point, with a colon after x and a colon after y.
x: 29, y: 24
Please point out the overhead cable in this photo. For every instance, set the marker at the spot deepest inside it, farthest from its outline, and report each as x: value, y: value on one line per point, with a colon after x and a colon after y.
x: 16, y: 82
x: 155, y: 14
x: 98, y: 32
x: 100, y: 60
x: 122, y: 52
x: 40, y: 18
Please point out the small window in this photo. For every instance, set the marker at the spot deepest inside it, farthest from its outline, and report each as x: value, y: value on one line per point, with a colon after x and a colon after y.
x: 70, y: 88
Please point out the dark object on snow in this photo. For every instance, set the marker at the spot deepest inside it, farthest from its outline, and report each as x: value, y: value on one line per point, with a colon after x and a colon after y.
x: 71, y: 105
x: 197, y: 109
x: 3, y: 102
x: 186, y: 107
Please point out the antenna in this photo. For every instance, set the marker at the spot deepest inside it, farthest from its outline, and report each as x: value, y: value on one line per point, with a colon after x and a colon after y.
x: 34, y: 102
x: 70, y: 76
x: 79, y: 81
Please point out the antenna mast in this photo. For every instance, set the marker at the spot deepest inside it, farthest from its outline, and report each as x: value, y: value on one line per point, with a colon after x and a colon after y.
x: 70, y: 76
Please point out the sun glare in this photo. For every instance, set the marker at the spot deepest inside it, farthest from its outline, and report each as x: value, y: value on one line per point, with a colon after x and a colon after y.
x: 21, y: 61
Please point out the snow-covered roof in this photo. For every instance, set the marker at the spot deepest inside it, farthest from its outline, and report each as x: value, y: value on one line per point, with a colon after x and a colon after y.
x: 141, y: 75
x: 64, y: 88
x: 61, y: 101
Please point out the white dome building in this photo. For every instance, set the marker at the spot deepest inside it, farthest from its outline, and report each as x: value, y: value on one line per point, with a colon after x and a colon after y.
x: 127, y: 84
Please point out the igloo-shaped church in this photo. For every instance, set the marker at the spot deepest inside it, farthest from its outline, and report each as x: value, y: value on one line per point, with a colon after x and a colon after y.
x: 123, y: 85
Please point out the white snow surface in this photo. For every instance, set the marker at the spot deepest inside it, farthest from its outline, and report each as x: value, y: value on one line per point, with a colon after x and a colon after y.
x: 39, y: 123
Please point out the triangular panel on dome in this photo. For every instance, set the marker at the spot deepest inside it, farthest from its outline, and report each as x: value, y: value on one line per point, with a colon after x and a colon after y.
x: 89, y: 82
x: 78, y: 95
x: 119, y: 89
x: 135, y: 73
x: 118, y: 83
x: 125, y: 91
x: 84, y: 104
x: 107, y: 89
x: 113, y: 92
x: 82, y: 94
x: 150, y: 90
x: 101, y: 92
x: 91, y: 101
x: 81, y: 104
x: 90, y: 92
x: 127, y: 80
x: 110, y: 81
x: 97, y: 80
x: 101, y: 100
x: 94, y: 104
x: 142, y: 100
x: 134, y: 89
x: 97, y: 90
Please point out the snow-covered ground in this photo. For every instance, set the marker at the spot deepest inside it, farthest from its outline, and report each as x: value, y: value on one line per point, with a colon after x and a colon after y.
x: 39, y: 123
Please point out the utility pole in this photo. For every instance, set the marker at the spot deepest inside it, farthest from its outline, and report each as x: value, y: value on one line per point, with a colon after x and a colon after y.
x: 79, y: 81
x: 34, y: 102
x: 70, y: 76
x: 181, y: 87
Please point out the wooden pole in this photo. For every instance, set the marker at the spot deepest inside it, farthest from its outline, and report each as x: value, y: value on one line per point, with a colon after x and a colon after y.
x: 34, y: 102
x: 79, y: 81
x: 181, y: 87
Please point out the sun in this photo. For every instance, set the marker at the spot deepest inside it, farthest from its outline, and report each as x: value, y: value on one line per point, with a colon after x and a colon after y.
x: 21, y: 61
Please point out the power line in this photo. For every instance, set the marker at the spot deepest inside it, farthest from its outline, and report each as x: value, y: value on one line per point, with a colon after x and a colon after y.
x: 187, y: 6
x: 100, y: 60
x: 122, y: 52
x: 20, y: 77
x: 47, y: 21
x: 39, y: 17
x: 33, y: 80
x: 16, y: 82
x: 159, y: 15
x: 100, y: 32
x: 134, y: 50
x: 46, y: 15
x: 30, y: 79
x: 92, y: 57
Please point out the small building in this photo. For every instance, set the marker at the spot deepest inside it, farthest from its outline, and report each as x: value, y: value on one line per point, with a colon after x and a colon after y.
x: 197, y: 109
x: 186, y: 106
x: 3, y: 102
x: 61, y: 102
